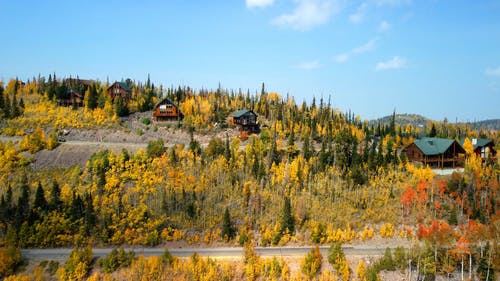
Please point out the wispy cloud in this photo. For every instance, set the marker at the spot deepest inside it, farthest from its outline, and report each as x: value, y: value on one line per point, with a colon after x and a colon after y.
x: 492, y: 71
x: 392, y: 2
x: 359, y: 15
x: 370, y: 45
x: 308, y: 14
x: 309, y: 65
x: 394, y: 63
x: 383, y: 26
x: 258, y: 3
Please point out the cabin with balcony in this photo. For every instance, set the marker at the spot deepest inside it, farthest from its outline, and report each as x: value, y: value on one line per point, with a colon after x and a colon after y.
x: 120, y: 90
x: 484, y: 148
x: 167, y: 110
x: 245, y: 120
x: 436, y: 152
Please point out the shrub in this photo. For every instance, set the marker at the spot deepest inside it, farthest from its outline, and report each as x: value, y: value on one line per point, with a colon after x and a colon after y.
x: 311, y: 265
x: 77, y: 266
x: 116, y: 259
x: 146, y: 121
x: 9, y: 259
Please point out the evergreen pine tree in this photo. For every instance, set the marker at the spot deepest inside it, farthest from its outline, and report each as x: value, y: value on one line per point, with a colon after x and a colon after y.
x: 2, y: 101
x: 40, y: 203
x: 287, y: 219
x: 55, y: 197
x: 23, y: 203
x: 228, y: 231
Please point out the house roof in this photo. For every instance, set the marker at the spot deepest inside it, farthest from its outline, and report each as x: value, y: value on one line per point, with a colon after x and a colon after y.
x: 242, y: 112
x: 476, y: 142
x: 163, y: 100
x: 123, y: 85
x: 433, y: 146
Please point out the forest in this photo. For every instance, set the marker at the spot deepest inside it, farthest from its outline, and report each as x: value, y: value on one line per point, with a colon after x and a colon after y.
x: 313, y: 176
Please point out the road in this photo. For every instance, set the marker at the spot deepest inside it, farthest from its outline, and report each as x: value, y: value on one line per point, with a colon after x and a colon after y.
x: 61, y: 254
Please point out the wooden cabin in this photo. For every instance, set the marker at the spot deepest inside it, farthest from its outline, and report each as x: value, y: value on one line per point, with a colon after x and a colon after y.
x: 167, y: 110
x: 484, y: 148
x: 245, y: 120
x: 72, y: 98
x: 436, y: 152
x: 120, y: 90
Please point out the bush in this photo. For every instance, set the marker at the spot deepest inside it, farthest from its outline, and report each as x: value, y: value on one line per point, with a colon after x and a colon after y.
x: 10, y: 258
x: 311, y: 265
x: 156, y: 148
x: 116, y: 259
x: 167, y: 258
x: 77, y: 266
x: 335, y: 252
x: 146, y: 121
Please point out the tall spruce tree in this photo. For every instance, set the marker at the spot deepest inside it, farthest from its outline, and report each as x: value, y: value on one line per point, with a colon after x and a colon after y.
x: 228, y: 231
x: 287, y: 219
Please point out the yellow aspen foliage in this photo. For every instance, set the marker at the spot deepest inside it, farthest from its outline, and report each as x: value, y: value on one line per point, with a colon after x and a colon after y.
x: 367, y: 233
x: 468, y: 147
x: 343, y: 268
x: 34, y: 142
x: 52, y: 141
x: 361, y: 271
x: 420, y: 173
x: 18, y: 277
x: 387, y: 230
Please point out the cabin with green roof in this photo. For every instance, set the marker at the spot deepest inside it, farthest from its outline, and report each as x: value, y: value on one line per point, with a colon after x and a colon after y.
x: 245, y: 120
x: 484, y: 148
x: 436, y: 152
x: 120, y: 90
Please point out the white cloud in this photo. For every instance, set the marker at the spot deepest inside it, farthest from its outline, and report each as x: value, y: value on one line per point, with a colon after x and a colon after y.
x: 258, y: 3
x: 392, y: 2
x: 370, y: 45
x: 394, y: 63
x: 493, y: 71
x: 384, y: 26
x: 308, y: 14
x: 309, y: 65
x: 359, y: 15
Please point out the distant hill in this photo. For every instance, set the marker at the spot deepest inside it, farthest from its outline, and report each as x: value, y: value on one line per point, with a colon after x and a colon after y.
x: 402, y: 119
x: 491, y: 124
x: 417, y: 120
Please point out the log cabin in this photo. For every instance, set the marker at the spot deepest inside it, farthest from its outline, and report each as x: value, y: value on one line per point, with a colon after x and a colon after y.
x: 120, y: 90
x: 167, y: 110
x: 245, y: 120
x: 484, y: 148
x: 72, y: 98
x: 436, y: 152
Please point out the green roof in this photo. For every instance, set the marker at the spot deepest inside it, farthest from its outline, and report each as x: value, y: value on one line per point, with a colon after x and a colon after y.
x: 477, y: 143
x: 433, y: 146
x: 242, y: 112
x: 125, y: 86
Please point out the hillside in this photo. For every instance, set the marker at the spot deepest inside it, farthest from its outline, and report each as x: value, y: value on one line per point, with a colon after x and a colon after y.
x: 403, y: 120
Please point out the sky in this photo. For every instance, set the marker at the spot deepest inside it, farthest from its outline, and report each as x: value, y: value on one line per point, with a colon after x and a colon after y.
x: 440, y: 59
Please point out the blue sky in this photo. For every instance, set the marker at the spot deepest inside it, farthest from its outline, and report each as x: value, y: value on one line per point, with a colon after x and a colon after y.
x: 435, y: 58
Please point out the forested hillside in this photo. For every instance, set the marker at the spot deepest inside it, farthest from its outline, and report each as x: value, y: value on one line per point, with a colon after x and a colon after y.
x: 313, y: 175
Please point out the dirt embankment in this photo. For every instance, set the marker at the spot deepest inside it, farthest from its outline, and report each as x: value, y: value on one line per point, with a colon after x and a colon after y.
x: 133, y: 135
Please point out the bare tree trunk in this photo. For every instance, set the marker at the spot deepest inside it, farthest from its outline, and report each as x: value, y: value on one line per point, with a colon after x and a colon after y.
x: 462, y: 270
x: 470, y: 266
x: 409, y: 269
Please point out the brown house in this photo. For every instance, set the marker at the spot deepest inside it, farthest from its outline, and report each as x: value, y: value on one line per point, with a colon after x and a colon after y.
x: 484, y: 148
x: 166, y: 110
x: 245, y: 120
x: 436, y: 152
x: 71, y: 98
x: 120, y: 90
